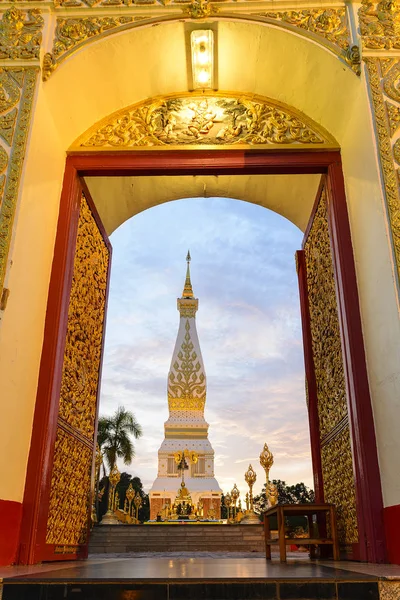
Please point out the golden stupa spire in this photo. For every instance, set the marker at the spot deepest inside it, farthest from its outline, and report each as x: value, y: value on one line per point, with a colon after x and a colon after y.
x: 188, y: 290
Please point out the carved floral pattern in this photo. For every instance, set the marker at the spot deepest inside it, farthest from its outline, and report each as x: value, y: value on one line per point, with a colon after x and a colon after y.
x: 380, y: 24
x: 336, y: 454
x: 337, y: 474
x: 325, y: 332
x: 205, y: 119
x: 17, y: 87
x: 389, y: 590
x: 20, y: 33
x: 70, y: 486
x: 384, y: 80
x: 186, y: 379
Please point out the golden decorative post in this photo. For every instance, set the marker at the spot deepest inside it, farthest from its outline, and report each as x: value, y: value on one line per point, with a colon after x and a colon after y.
x: 266, y: 461
x: 113, y: 478
x: 138, y: 503
x: 235, y: 493
x: 250, y: 516
x: 95, y: 493
x: 130, y: 494
x: 228, y: 503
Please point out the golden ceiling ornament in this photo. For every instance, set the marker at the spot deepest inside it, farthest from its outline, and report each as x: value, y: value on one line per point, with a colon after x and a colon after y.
x: 205, y: 119
x: 20, y: 33
x: 380, y: 24
x: 383, y: 77
x: 17, y: 86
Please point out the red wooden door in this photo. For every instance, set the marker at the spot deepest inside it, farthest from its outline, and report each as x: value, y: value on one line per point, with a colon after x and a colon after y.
x: 58, y: 493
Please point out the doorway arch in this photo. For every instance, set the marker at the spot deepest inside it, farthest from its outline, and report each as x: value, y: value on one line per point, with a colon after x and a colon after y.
x: 331, y: 197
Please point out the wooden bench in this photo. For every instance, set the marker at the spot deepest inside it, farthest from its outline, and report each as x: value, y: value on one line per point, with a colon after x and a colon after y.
x: 285, y: 510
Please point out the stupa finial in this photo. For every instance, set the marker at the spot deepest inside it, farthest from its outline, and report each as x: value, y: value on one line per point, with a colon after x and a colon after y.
x: 188, y: 290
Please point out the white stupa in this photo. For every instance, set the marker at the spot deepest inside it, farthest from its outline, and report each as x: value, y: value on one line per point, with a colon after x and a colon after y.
x: 186, y: 428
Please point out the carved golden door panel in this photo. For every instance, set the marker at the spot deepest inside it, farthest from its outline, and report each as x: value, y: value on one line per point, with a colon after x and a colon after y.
x: 332, y: 427
x: 58, y: 495
x: 70, y: 489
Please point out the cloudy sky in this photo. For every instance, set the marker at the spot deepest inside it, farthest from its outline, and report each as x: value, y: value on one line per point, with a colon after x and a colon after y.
x: 243, y: 273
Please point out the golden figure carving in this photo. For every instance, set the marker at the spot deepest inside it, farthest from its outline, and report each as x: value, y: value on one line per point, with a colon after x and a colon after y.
x: 188, y: 380
x: 380, y: 24
x: 71, y: 479
x: 20, y: 33
x: 384, y: 79
x: 205, y: 119
x: 82, y: 355
x: 336, y: 454
x: 17, y: 86
x: 199, y: 9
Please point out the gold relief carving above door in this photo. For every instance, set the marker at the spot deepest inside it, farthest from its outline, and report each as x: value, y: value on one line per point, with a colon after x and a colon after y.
x: 207, y: 119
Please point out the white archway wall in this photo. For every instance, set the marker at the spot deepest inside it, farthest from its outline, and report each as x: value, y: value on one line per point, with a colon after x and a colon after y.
x: 138, y: 64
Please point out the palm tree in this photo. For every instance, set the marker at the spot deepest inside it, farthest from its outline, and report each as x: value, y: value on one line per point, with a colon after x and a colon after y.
x: 113, y: 436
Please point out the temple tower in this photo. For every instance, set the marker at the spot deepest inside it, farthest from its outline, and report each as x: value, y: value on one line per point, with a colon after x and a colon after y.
x: 186, y: 427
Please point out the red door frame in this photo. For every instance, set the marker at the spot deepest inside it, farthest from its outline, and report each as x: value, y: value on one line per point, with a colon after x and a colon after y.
x: 206, y: 162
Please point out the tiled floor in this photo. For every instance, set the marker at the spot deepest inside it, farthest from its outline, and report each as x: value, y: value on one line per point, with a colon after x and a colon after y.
x: 196, y: 577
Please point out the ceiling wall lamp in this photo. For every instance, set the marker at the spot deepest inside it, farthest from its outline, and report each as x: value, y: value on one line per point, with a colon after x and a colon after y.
x: 202, y: 59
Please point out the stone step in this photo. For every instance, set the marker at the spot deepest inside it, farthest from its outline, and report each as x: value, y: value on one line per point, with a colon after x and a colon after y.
x: 167, y: 538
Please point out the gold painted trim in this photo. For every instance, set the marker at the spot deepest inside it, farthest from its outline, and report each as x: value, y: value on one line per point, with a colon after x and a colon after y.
x: 328, y: 142
x: 383, y: 74
x: 72, y: 33
x: 22, y: 82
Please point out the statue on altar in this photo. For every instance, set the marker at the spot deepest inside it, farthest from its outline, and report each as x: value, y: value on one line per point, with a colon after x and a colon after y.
x: 183, y: 506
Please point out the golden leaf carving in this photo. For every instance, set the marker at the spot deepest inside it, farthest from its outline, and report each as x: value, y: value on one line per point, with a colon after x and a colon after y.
x: 20, y: 33
x: 187, y: 380
x: 207, y: 119
x: 394, y: 116
x: 336, y: 456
